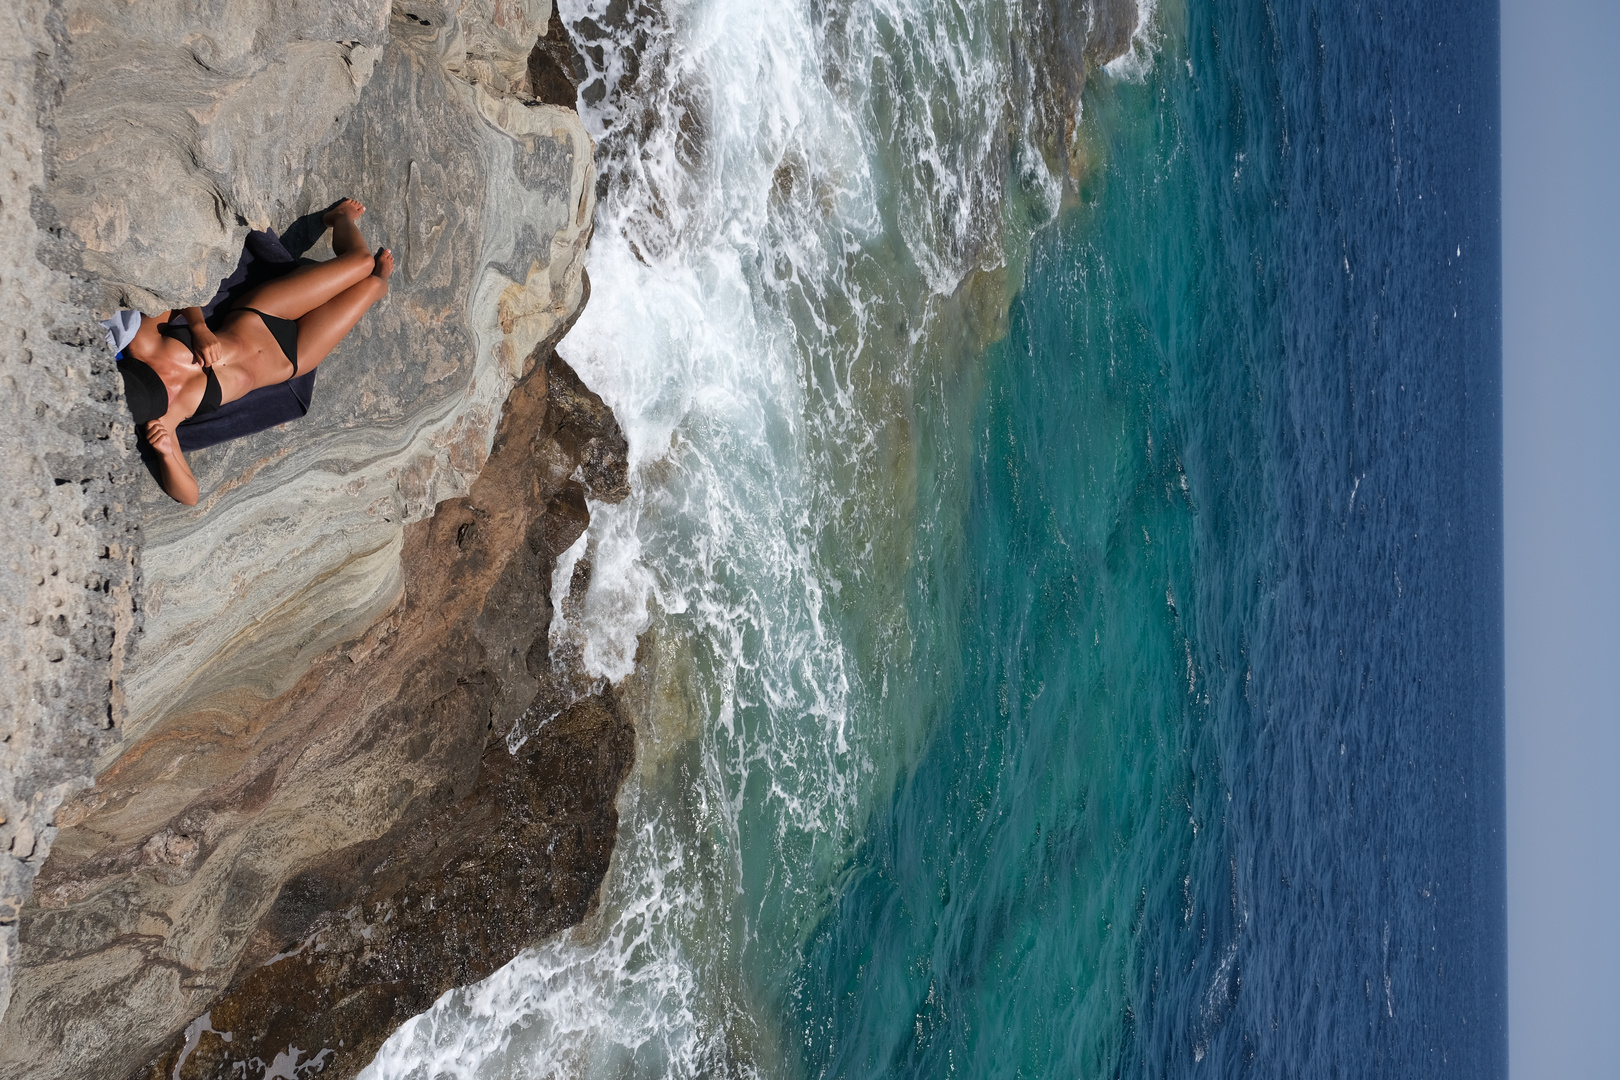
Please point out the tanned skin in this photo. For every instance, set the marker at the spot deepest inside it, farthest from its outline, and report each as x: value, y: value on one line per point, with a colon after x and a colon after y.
x: 326, y: 300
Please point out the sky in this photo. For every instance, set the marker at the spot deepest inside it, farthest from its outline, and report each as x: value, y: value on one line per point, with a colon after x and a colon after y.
x: 1561, y: 448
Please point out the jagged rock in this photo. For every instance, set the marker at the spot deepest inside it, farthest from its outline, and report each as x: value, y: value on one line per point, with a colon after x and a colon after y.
x: 429, y: 907
x: 555, y: 66
x: 319, y: 662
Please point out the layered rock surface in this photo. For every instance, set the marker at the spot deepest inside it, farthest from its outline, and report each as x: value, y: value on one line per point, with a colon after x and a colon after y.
x: 487, y: 203
x: 339, y: 856
x: 279, y: 689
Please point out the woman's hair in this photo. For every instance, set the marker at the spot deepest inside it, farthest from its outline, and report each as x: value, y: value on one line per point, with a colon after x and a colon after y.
x: 147, y: 396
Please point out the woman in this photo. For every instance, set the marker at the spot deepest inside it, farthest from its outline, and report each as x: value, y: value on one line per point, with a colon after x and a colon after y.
x: 285, y: 327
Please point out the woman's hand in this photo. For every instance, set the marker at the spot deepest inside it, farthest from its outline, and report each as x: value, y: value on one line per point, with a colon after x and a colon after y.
x: 206, y: 350
x: 161, y: 436
x: 173, y: 473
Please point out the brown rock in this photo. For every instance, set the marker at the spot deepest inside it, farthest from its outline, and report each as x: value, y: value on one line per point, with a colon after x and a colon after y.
x: 1065, y: 44
x: 555, y: 67
x: 431, y: 906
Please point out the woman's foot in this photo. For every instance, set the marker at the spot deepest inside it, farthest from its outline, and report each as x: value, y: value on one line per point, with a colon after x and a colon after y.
x: 384, y: 266
x: 345, y: 210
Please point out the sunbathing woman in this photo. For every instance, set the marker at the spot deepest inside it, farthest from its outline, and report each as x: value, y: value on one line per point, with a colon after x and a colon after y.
x: 282, y: 328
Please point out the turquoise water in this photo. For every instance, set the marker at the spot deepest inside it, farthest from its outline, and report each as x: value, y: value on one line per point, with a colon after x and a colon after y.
x: 1070, y: 807
x: 1215, y: 774
x: 1069, y: 623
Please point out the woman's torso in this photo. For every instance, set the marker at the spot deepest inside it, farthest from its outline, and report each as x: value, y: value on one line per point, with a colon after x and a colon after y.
x: 252, y: 358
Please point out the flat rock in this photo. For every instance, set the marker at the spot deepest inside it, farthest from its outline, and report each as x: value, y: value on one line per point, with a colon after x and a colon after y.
x: 487, y: 203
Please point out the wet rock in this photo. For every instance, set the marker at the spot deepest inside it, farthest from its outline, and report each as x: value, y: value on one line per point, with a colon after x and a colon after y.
x: 1065, y: 44
x: 555, y: 67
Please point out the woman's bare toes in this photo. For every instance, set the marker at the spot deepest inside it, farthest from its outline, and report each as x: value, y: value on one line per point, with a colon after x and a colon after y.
x: 346, y: 208
x: 385, y: 264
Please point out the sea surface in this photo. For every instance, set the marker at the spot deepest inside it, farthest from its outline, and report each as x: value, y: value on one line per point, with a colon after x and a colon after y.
x: 1067, y: 584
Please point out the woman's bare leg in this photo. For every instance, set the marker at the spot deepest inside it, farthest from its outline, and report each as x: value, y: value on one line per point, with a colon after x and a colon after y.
x: 321, y: 329
x: 344, y: 221
x: 307, y: 288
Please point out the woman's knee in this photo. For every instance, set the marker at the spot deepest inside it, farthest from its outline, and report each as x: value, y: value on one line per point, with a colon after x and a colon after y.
x: 356, y: 262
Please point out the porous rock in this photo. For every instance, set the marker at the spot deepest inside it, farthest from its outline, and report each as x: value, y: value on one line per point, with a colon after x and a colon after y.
x: 67, y: 482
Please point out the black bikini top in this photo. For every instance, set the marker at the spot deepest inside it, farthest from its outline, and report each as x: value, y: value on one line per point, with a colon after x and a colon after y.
x: 148, y: 398
x: 285, y: 331
x: 211, y: 392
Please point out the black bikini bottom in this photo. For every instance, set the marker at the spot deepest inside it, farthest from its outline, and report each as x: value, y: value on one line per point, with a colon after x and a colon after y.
x: 149, y: 399
x: 285, y: 331
x: 211, y: 394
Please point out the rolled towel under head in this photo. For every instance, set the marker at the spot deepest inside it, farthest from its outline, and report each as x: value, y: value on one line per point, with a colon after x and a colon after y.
x: 121, y: 329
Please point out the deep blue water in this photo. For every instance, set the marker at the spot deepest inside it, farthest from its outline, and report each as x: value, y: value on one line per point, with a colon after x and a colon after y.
x: 1212, y: 664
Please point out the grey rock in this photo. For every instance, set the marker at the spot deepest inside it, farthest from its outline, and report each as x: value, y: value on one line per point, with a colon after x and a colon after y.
x: 487, y: 202
x: 67, y: 484
x: 202, y: 859
x: 141, y: 143
x: 181, y: 125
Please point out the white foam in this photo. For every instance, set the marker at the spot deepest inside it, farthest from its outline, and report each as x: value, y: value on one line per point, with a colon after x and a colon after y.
x: 742, y: 329
x: 1137, y: 61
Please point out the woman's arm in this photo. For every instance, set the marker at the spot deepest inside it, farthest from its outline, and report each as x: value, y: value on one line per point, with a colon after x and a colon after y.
x: 173, y: 473
x: 205, y: 345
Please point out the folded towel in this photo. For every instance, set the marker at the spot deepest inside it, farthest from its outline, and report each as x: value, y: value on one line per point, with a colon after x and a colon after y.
x: 121, y: 329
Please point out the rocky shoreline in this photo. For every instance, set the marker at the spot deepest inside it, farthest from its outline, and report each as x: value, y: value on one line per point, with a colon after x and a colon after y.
x: 258, y: 775
x: 493, y: 849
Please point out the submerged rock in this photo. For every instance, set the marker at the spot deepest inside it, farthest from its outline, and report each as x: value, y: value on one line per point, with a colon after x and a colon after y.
x: 294, y: 698
x: 1060, y: 45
